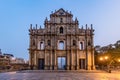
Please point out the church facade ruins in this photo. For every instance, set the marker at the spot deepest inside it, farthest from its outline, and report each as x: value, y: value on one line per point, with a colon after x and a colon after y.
x: 62, y: 44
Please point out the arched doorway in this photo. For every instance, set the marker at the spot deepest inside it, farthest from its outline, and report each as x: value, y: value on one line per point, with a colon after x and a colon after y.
x: 61, y: 63
x: 82, y: 63
x: 41, y: 64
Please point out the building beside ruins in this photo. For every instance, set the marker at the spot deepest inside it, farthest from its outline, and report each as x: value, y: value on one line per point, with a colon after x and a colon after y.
x: 62, y: 44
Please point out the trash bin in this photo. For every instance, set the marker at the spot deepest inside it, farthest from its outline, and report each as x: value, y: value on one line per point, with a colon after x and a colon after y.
x: 109, y: 71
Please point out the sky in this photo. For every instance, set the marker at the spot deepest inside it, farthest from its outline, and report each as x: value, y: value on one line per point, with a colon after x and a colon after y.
x: 17, y: 15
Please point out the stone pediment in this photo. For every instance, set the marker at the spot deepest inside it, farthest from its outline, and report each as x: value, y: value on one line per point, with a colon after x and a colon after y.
x: 61, y: 11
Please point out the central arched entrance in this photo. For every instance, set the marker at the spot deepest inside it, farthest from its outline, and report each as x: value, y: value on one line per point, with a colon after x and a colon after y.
x: 61, y: 63
x: 41, y: 64
x: 82, y: 63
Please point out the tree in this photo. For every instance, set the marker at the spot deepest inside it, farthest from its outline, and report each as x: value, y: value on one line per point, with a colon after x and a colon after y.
x: 113, y: 55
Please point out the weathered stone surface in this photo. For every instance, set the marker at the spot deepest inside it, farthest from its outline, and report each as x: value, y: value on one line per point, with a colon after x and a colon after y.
x: 62, y: 38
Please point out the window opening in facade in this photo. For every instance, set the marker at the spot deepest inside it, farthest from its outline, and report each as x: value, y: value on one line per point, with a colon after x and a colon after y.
x: 33, y: 42
x: 61, y: 29
x: 81, y: 46
x: 74, y: 42
x: 41, y: 45
x: 49, y: 43
x: 61, y: 20
x: 61, y: 45
x: 89, y: 43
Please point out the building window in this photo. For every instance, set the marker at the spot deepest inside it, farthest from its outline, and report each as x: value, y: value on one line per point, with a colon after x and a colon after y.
x: 61, y: 29
x: 89, y: 43
x: 33, y: 42
x: 74, y: 42
x: 49, y: 43
x: 81, y: 46
x: 61, y: 45
x: 41, y: 45
x: 61, y: 20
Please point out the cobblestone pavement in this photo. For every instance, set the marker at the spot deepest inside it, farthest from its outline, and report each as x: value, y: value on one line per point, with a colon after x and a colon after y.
x: 58, y: 76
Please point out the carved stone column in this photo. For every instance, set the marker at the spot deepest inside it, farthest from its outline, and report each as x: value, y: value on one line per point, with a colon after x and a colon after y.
x: 55, y: 61
x: 45, y: 67
x: 35, y: 60
x: 77, y: 60
x: 51, y: 60
x: 68, y: 60
x: 72, y: 67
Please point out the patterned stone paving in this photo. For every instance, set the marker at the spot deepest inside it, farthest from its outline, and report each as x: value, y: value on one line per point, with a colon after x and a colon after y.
x: 58, y: 76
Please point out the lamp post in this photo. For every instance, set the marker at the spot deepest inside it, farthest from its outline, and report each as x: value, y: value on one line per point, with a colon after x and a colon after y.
x: 119, y: 61
x: 104, y: 58
x: 101, y: 59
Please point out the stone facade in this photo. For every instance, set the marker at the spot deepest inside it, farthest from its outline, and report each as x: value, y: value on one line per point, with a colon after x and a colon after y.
x: 61, y: 44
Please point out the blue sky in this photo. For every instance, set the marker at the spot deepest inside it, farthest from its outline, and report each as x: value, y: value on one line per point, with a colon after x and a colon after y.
x: 17, y: 15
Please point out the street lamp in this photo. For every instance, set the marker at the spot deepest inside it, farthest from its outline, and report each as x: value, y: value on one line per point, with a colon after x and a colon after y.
x: 107, y: 65
x: 106, y: 57
x: 118, y: 60
x: 101, y: 58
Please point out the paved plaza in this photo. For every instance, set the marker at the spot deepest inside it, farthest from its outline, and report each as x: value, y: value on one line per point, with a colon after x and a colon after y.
x: 59, y: 75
